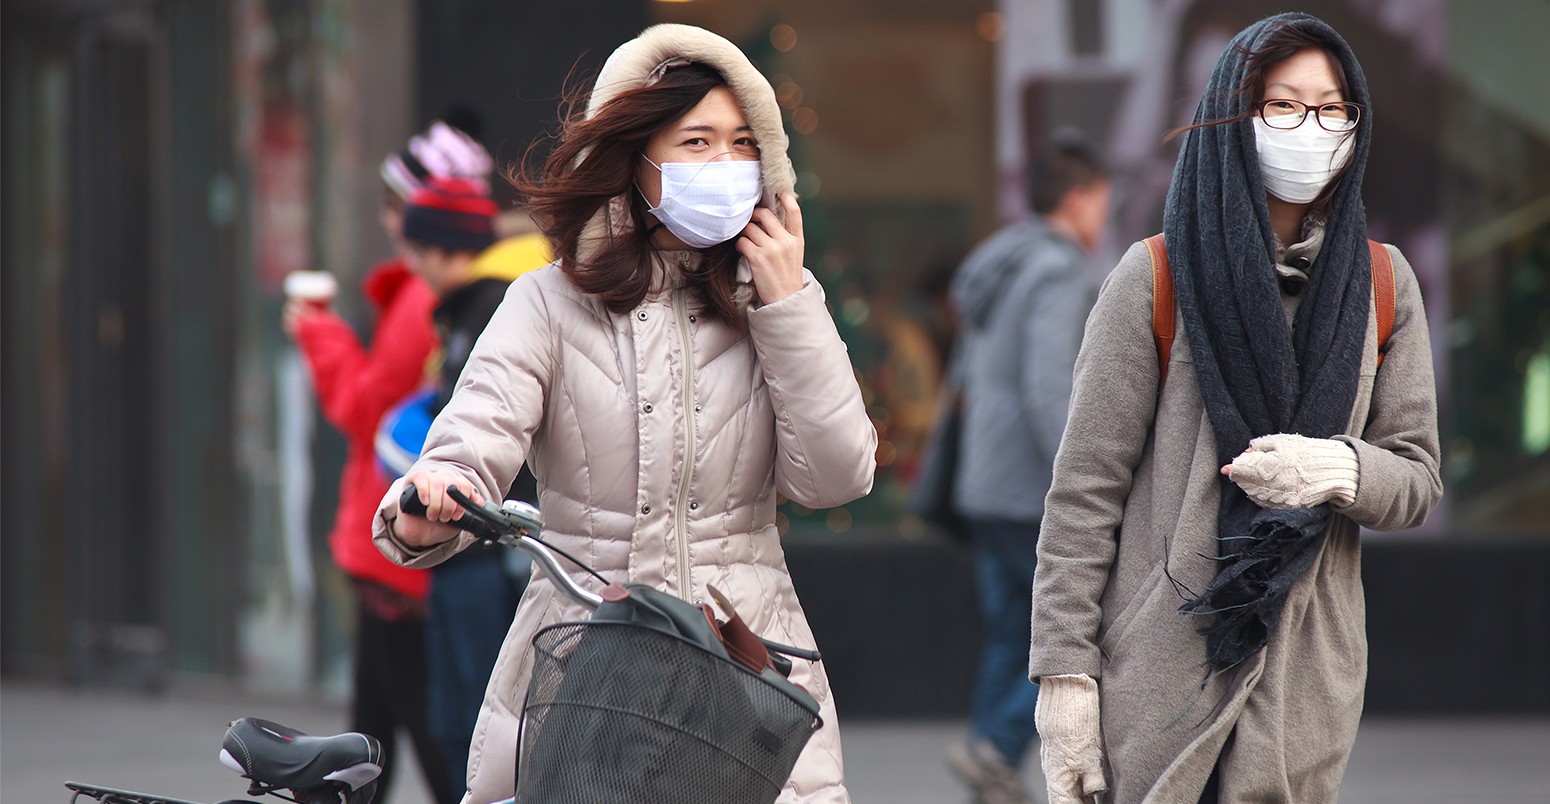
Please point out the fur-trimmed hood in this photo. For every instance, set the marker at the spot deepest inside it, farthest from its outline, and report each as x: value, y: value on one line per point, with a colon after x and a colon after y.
x: 640, y: 61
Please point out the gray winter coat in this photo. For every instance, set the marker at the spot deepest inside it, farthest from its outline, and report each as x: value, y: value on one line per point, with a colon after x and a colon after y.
x: 1021, y: 298
x: 1130, y: 518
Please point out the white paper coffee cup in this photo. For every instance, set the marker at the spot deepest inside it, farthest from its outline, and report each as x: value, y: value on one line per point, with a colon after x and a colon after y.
x: 312, y: 286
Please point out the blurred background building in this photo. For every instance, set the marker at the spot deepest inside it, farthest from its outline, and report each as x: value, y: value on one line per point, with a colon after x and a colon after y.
x: 167, y: 162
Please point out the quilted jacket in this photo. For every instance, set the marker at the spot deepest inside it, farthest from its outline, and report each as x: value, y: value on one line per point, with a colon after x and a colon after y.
x: 660, y: 442
x: 660, y: 439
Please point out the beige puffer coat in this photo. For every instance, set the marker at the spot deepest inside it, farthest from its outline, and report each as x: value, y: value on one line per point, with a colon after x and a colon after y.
x: 660, y: 442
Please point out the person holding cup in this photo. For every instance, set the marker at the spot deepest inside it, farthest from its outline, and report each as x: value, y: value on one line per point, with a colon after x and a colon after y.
x: 356, y: 384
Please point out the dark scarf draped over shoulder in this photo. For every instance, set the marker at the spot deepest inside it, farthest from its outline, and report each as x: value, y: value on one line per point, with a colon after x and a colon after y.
x: 1257, y: 375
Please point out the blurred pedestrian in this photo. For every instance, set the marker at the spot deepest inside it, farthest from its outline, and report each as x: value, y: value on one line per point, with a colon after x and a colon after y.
x: 1199, y: 565
x: 670, y: 375
x: 449, y: 233
x: 355, y: 385
x: 1021, y: 299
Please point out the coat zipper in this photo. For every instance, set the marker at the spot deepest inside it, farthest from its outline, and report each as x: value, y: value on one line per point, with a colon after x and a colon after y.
x: 680, y: 515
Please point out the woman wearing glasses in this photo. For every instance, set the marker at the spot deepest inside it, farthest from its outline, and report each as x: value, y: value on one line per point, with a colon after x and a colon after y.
x: 1198, y: 620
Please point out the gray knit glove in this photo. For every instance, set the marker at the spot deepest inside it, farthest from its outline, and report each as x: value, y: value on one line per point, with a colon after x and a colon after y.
x: 1293, y: 471
x: 1070, y: 748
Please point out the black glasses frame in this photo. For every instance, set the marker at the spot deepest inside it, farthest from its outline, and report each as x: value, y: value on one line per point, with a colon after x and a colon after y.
x: 1354, y: 119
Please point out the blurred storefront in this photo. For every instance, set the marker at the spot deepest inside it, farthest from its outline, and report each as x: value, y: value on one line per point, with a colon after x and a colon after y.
x: 168, y: 161
x: 912, y: 121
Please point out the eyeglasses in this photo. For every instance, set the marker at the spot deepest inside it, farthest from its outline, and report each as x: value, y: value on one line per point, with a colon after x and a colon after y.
x: 1287, y: 114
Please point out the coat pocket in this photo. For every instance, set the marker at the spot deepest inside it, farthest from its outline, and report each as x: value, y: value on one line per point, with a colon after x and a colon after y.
x: 1111, y: 636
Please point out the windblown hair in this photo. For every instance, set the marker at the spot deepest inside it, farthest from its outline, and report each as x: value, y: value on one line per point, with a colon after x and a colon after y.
x: 593, y: 162
x: 1281, y: 44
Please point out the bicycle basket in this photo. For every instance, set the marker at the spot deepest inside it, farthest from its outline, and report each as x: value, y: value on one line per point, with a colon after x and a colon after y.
x: 623, y: 712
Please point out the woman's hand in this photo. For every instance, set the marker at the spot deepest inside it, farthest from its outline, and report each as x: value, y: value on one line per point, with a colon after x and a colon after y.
x: 774, y: 252
x: 431, y: 530
x: 1293, y: 471
x: 298, y: 310
x: 1070, y: 738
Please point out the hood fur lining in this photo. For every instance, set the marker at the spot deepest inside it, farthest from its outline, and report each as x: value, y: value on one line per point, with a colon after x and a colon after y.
x: 634, y: 64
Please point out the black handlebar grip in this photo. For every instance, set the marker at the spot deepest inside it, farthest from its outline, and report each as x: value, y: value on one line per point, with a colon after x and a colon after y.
x: 409, y: 501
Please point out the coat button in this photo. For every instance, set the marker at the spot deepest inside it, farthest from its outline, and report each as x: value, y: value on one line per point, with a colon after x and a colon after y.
x: 693, y: 319
x: 646, y: 407
x: 696, y: 408
x: 641, y: 315
x: 645, y: 509
x: 694, y: 506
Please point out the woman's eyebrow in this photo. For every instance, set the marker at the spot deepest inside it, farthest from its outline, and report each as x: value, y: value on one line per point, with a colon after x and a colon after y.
x: 1296, y: 89
x: 706, y: 127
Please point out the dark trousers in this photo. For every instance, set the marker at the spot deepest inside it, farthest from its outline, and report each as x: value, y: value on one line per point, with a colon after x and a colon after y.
x: 473, y: 600
x: 1003, y: 699
x: 390, y: 694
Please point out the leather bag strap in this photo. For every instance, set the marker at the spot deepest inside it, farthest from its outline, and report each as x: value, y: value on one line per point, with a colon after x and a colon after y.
x: 1163, y: 303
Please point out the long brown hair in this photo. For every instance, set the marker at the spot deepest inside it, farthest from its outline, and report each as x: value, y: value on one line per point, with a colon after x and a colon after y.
x: 593, y: 162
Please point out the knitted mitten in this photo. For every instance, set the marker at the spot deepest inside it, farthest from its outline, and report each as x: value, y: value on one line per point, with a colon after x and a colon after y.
x: 1070, y: 748
x: 1293, y: 471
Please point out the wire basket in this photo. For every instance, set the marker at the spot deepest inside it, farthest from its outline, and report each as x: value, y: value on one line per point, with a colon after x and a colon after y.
x: 619, y: 712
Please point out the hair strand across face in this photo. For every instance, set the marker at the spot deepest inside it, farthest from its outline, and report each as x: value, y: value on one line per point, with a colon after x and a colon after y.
x: 592, y: 164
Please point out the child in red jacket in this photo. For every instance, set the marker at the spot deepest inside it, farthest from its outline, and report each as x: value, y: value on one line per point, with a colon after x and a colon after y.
x: 356, y: 385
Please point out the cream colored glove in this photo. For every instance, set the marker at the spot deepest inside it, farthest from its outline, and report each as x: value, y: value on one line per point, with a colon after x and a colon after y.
x: 1293, y: 471
x: 1070, y: 748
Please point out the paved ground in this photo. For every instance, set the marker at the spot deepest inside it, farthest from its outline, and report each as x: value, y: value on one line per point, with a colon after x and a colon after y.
x: 168, y: 745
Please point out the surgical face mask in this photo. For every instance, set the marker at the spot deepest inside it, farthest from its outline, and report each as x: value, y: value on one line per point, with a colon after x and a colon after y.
x: 1298, y: 163
x: 707, y: 203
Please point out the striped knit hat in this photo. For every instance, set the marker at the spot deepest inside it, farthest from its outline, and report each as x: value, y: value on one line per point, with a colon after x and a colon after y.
x: 451, y: 214
x: 442, y: 151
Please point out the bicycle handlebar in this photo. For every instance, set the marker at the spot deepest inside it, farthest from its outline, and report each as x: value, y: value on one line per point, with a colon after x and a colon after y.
x: 516, y: 525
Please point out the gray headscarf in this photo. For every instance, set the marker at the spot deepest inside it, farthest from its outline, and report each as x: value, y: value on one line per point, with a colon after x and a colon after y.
x: 1256, y: 375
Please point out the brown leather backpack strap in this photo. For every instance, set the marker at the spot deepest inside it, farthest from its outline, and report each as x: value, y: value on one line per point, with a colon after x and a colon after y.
x: 1162, y: 304
x: 1382, y: 294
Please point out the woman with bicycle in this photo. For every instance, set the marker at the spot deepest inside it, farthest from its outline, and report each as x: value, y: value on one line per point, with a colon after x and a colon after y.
x: 1198, y: 621
x: 671, y: 375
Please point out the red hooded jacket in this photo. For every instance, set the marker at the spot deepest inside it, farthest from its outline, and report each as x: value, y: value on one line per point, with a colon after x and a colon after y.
x: 356, y: 386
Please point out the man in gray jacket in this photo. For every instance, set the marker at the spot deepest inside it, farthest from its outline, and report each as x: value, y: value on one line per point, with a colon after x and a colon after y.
x: 1022, y: 299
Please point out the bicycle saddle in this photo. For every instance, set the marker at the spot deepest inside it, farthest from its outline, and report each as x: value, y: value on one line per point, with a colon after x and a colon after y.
x: 271, y: 755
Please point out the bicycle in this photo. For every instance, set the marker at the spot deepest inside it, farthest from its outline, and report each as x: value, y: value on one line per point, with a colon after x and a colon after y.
x: 652, y: 698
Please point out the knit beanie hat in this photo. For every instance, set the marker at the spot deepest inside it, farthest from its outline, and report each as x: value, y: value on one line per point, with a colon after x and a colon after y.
x: 441, y: 152
x: 451, y: 214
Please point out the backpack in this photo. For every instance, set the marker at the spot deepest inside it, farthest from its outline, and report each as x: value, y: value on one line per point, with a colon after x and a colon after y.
x: 1163, y: 302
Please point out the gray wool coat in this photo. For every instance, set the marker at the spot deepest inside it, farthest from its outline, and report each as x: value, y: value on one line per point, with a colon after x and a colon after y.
x: 1131, y: 516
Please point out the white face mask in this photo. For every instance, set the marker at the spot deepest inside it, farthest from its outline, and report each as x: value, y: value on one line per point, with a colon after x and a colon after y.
x: 1298, y: 163
x: 707, y: 203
